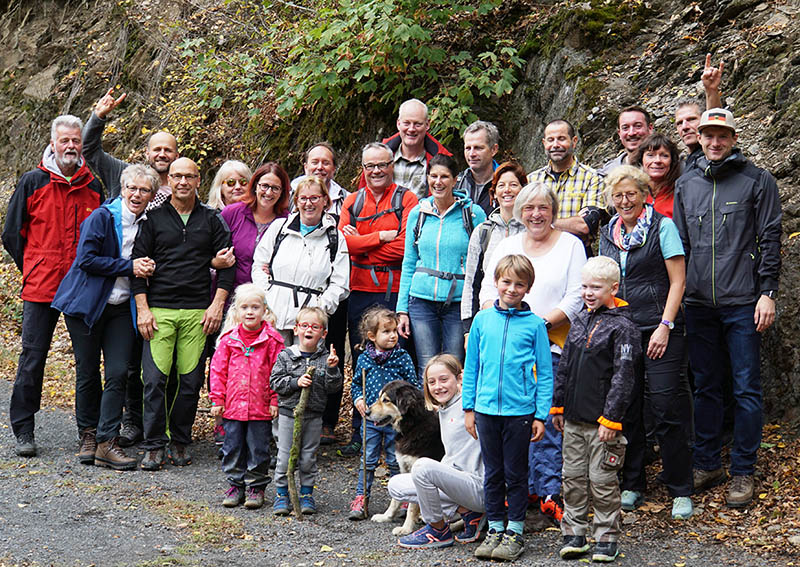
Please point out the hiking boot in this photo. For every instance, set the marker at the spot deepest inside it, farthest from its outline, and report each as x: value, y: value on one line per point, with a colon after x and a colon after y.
x: 233, y: 497
x: 682, y: 508
x: 281, y: 505
x: 707, y: 479
x: 740, y: 492
x: 358, y: 509
x: 552, y: 506
x: 179, y: 455
x: 255, y: 498
x: 474, y: 522
x: 605, y: 551
x: 129, y: 435
x: 109, y: 455
x: 153, y: 460
x: 510, y: 548
x: 630, y: 500
x: 350, y: 450
x: 26, y: 444
x: 327, y: 437
x: 307, y: 504
x: 485, y: 549
x: 88, y: 446
x: 427, y: 537
x: 219, y: 435
x: 574, y: 546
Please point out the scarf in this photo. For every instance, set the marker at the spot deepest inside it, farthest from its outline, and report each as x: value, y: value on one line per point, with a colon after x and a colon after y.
x: 378, y: 356
x: 637, y: 237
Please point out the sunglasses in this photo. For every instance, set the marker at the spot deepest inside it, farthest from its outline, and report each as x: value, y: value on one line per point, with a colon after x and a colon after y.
x: 234, y: 182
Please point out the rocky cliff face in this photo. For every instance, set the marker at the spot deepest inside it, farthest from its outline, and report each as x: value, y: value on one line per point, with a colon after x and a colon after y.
x: 585, y: 61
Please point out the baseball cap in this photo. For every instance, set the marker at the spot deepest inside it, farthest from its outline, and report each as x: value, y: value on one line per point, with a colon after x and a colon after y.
x: 717, y: 117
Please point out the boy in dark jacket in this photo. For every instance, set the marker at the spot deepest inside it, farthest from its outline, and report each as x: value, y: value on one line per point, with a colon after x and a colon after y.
x: 289, y: 377
x: 591, y: 392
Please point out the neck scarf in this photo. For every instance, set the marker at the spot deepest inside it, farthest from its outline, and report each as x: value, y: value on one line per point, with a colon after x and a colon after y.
x: 378, y: 356
x: 637, y: 237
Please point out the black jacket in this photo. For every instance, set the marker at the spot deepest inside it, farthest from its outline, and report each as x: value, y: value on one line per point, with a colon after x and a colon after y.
x: 729, y: 218
x: 596, y: 374
x: 290, y: 367
x: 183, y: 254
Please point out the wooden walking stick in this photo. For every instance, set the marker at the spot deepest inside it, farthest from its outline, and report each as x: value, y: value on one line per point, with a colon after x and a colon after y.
x: 364, y: 441
x: 294, y: 452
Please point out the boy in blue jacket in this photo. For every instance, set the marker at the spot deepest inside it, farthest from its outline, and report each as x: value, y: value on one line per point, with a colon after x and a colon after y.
x: 506, y: 393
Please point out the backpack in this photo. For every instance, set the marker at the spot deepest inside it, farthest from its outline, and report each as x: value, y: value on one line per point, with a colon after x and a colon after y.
x: 466, y: 220
x: 330, y: 232
x: 396, y: 208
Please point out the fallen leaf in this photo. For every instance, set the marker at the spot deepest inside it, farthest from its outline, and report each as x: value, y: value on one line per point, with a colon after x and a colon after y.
x: 326, y: 548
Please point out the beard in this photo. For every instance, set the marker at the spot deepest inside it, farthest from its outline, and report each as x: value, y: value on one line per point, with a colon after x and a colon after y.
x: 67, y: 159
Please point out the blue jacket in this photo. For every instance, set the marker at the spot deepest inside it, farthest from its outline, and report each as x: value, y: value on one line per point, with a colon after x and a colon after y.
x: 85, y: 289
x: 441, y: 245
x: 508, y: 369
x: 398, y: 367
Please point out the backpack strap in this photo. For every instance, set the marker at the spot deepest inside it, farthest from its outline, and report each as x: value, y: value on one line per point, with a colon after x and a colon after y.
x: 278, y: 240
x: 396, y: 207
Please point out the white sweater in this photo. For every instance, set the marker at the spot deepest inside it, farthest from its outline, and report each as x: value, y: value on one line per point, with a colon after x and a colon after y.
x: 461, y: 451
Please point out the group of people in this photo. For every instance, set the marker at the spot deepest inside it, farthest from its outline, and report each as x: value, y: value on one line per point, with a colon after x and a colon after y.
x: 572, y: 368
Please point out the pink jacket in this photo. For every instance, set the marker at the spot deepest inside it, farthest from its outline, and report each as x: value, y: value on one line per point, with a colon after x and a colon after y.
x: 240, y: 375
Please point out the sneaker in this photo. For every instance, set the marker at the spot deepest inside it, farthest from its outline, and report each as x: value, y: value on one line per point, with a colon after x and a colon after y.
x: 350, y: 450
x: 88, y: 446
x: 255, y: 498
x: 682, y: 508
x: 427, y: 537
x: 153, y: 460
x: 327, y: 437
x: 630, y: 500
x: 552, y: 506
x: 307, y: 504
x: 109, y: 455
x: 474, y: 522
x: 574, y: 546
x: 485, y: 549
x: 281, y: 505
x: 26, y: 444
x: 605, y: 551
x: 707, y: 479
x: 179, y: 455
x: 129, y: 435
x: 740, y: 492
x: 510, y: 548
x: 219, y: 435
x: 233, y: 497
x: 358, y: 509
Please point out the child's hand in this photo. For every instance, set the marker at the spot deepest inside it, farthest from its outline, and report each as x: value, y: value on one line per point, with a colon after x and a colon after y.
x: 216, y: 411
x: 361, y: 406
x: 558, y: 422
x: 605, y: 434
x: 537, y: 430
x: 469, y: 423
x: 273, y: 411
x: 304, y: 381
x: 333, y: 360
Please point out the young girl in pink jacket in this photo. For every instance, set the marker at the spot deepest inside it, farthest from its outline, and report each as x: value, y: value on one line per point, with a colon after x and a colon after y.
x: 240, y: 393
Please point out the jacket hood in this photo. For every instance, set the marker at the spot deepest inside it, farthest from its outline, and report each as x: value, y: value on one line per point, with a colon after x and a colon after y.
x: 461, y: 201
x: 734, y: 162
x: 621, y: 309
x: 293, y: 223
x: 266, y: 332
x: 523, y: 311
x: 497, y: 219
x: 49, y: 163
x: 295, y: 354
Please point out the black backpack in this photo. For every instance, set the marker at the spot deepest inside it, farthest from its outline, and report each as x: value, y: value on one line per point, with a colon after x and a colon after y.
x: 396, y: 208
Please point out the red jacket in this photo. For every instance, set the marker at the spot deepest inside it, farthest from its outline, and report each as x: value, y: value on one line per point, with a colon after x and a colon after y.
x: 43, y: 224
x: 432, y: 147
x: 366, y: 247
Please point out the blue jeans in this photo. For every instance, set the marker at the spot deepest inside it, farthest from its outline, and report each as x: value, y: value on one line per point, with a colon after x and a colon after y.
x: 544, y: 457
x: 435, y: 328
x: 707, y: 329
x: 377, y: 438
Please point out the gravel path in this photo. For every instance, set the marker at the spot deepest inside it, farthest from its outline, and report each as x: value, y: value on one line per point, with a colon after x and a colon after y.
x: 54, y: 511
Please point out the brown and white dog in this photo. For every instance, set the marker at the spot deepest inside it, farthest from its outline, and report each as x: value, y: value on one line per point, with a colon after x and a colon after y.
x: 402, y: 405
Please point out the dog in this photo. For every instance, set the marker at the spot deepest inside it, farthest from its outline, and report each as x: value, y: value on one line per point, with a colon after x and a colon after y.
x: 402, y: 406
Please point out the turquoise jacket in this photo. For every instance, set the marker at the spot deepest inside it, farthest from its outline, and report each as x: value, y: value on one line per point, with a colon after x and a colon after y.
x: 441, y: 246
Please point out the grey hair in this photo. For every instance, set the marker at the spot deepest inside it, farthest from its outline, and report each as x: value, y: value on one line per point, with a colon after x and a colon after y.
x: 492, y: 133
x: 691, y: 101
x: 410, y: 102
x: 533, y: 191
x: 140, y: 170
x: 65, y: 121
x: 230, y: 166
x: 377, y: 146
x: 620, y: 174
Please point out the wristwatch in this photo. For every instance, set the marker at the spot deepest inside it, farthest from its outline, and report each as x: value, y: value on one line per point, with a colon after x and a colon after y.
x: 547, y: 324
x: 669, y: 324
x: 771, y: 293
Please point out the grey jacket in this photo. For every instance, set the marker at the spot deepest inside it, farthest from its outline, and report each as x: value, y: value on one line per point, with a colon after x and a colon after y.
x: 728, y: 214
x: 103, y: 165
x: 288, y: 369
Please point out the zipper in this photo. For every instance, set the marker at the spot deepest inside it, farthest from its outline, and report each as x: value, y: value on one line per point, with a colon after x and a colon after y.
x: 75, y: 226
x: 502, y: 362
x: 713, y: 242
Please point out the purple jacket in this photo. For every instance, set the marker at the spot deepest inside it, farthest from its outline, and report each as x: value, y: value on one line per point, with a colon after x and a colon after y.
x: 244, y: 236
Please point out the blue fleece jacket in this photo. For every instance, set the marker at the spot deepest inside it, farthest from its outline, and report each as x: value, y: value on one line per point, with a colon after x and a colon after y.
x: 508, y: 369
x: 442, y: 246
x: 398, y: 367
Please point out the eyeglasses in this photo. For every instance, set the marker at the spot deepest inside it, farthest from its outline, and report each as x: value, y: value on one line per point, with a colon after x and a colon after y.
x: 267, y: 188
x: 187, y: 176
x: 142, y: 190
x: 630, y: 195
x: 312, y: 326
x: 314, y: 199
x: 232, y: 182
x: 380, y: 165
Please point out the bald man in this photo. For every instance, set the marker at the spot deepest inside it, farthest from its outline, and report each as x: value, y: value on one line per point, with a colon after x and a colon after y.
x: 173, y: 312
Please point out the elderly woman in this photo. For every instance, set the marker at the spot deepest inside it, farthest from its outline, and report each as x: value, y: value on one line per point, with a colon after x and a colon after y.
x: 658, y: 157
x: 437, y: 237
x: 507, y: 182
x: 321, y: 160
x: 230, y: 184
x: 648, y: 249
x: 306, y: 257
x: 99, y: 311
x: 557, y: 258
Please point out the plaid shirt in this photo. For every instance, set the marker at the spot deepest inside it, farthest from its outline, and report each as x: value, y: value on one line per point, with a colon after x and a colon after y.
x: 577, y: 188
x: 411, y: 173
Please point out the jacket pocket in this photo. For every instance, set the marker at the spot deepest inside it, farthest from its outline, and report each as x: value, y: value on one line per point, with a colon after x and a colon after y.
x: 30, y: 272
